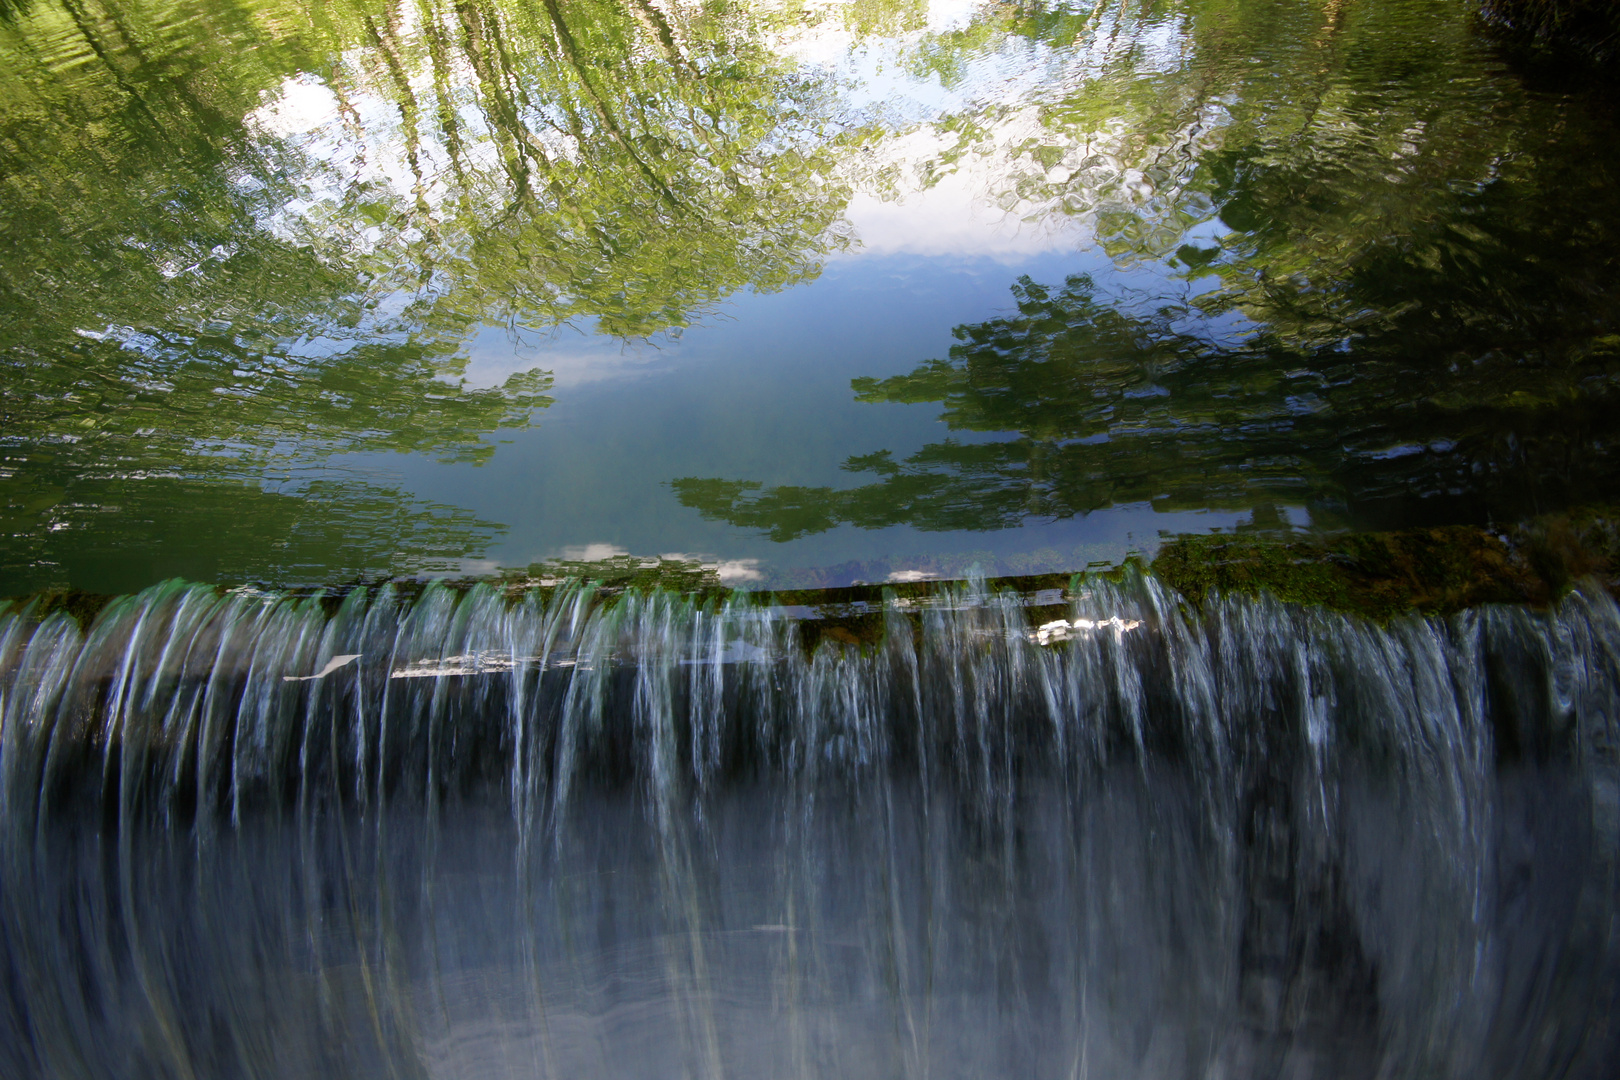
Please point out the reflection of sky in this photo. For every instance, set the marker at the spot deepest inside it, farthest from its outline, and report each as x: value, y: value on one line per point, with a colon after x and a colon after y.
x: 953, y: 217
x: 761, y: 392
x: 574, y: 356
x: 878, y: 77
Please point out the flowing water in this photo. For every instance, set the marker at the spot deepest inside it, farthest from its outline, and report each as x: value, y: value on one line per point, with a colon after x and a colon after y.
x: 472, y: 835
x: 312, y: 302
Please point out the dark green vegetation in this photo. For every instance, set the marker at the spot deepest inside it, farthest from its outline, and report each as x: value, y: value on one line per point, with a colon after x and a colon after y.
x: 1381, y: 575
x: 1590, y: 27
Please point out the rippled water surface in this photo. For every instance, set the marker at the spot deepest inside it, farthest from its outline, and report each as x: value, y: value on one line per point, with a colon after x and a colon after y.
x: 807, y: 292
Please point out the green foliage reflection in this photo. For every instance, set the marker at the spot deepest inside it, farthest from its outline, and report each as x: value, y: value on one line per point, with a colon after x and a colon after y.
x: 195, y: 290
x: 1477, y: 381
x: 628, y: 163
x: 1398, y: 263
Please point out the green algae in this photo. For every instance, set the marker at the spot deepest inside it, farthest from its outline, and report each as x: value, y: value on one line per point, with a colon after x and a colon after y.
x: 1375, y: 575
x: 80, y: 606
x: 1381, y: 575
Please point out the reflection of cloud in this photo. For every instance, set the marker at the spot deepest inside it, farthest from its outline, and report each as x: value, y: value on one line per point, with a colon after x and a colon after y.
x: 823, y: 36
x: 738, y: 571
x: 731, y: 572
x: 994, y: 200
x: 954, y: 215
x: 952, y: 218
x: 593, y: 553
x: 1009, y: 183
x: 573, y: 358
x: 303, y: 104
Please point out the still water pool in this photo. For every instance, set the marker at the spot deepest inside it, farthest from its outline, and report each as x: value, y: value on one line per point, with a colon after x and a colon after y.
x: 809, y: 293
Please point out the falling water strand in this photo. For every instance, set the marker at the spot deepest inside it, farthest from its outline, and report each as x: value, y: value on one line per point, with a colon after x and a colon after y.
x: 467, y: 833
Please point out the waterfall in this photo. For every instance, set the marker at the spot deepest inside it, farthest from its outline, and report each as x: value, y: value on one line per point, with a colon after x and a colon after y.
x: 463, y: 833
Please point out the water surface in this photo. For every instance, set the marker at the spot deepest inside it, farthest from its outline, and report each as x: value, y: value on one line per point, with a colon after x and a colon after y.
x: 810, y: 293
x: 296, y: 296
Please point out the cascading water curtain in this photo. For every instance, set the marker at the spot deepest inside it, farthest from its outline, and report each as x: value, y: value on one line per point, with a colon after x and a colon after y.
x: 463, y: 835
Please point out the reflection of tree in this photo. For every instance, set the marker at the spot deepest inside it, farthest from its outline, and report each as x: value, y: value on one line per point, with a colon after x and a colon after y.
x: 187, y: 297
x: 629, y: 163
x: 1562, y: 27
x: 1421, y: 254
x: 157, y: 338
x: 1469, y: 392
x: 1269, y: 143
x: 120, y: 534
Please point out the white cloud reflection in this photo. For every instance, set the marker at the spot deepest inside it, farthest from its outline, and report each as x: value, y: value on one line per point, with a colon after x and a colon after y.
x: 731, y: 572
x: 956, y: 217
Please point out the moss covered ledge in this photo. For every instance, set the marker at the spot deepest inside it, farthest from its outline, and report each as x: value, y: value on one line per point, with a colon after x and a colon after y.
x: 1376, y: 575
x: 1381, y: 575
